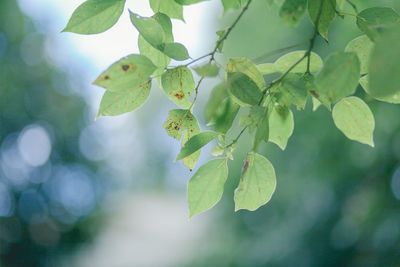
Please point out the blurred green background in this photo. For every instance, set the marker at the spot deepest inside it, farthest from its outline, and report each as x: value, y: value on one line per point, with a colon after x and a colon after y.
x: 79, y: 192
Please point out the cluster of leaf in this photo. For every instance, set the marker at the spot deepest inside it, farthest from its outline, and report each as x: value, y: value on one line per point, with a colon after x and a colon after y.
x: 370, y: 60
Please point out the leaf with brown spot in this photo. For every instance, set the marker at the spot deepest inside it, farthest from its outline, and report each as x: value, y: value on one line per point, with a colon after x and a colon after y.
x: 127, y: 73
x: 178, y: 84
x: 182, y: 125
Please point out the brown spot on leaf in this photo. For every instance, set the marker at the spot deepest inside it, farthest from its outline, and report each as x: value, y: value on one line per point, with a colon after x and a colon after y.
x: 127, y: 67
x: 106, y: 77
x: 179, y: 95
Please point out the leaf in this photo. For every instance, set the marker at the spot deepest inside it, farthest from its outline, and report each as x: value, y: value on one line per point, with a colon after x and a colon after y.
x: 244, y: 89
x: 281, y: 125
x: 246, y: 66
x: 262, y: 133
x: 339, y: 76
x: 316, y: 103
x: 288, y: 60
x: 166, y: 25
x: 127, y: 73
x: 149, y: 28
x: 220, y: 110
x: 362, y: 46
x: 393, y: 98
x: 178, y: 84
x: 233, y: 4
x: 257, y: 184
x: 354, y: 118
x: 373, y: 21
x: 253, y: 118
x: 292, y: 91
x: 322, y: 15
x: 195, y: 143
x: 182, y: 125
x: 384, y: 78
x: 95, y: 16
x: 189, y: 2
x: 267, y: 68
x: 156, y: 56
x: 175, y: 51
x: 116, y: 103
x: 207, y: 70
x: 169, y: 7
x: 292, y: 11
x: 206, y: 187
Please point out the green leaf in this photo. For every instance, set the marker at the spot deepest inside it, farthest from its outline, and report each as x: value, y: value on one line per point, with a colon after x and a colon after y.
x: 291, y: 90
x: 292, y: 11
x: 151, y: 30
x: 195, y: 143
x: 116, y: 103
x: 127, y: 73
x: 262, y: 133
x: 95, y: 16
x: 339, y: 76
x: 281, y: 124
x: 257, y: 184
x: 393, y: 98
x: 384, y: 78
x: 206, y: 187
x: 267, y: 68
x: 233, y: 4
x: 207, y: 70
x: 354, y: 118
x: 373, y: 21
x: 362, y: 46
x: 175, y: 51
x: 246, y: 66
x: 182, y: 125
x: 178, y: 84
x: 169, y: 7
x: 156, y: 56
x: 166, y: 24
x: 220, y: 110
x: 244, y: 89
x: 253, y: 118
x: 288, y: 60
x: 322, y: 15
x: 189, y: 2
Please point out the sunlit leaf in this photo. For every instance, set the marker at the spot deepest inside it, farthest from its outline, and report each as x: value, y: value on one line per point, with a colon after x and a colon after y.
x: 246, y: 66
x: 288, y: 60
x: 178, y: 84
x: 116, y: 103
x: 195, y: 143
x: 206, y: 187
x: 281, y: 124
x: 182, y: 125
x: 207, y: 70
x: 169, y: 7
x: 257, y: 183
x: 127, y: 73
x: 339, y: 76
x: 362, y: 46
x: 354, y: 118
x: 151, y: 30
x: 95, y: 16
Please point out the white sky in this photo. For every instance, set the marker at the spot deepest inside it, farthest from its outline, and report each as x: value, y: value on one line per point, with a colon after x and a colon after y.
x: 105, y: 48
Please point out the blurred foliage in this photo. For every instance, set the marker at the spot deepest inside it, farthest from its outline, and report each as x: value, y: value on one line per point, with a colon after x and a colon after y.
x: 337, y: 202
x: 47, y: 187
